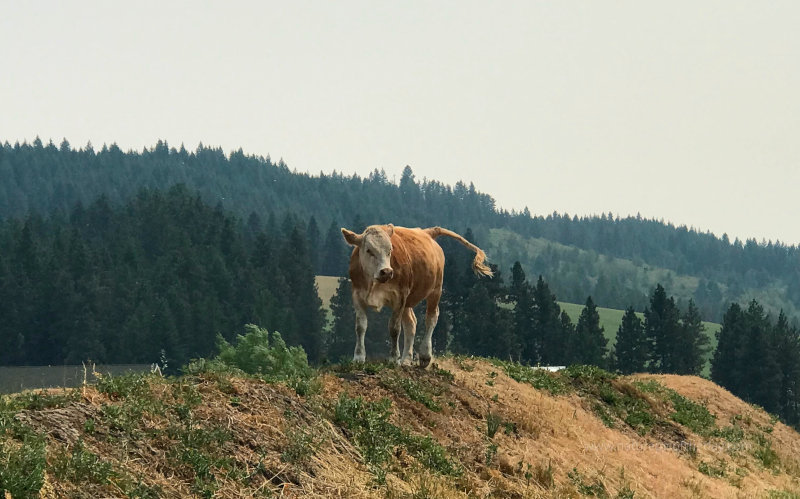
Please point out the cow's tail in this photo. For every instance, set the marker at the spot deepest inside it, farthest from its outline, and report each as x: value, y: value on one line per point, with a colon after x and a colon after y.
x: 478, y: 266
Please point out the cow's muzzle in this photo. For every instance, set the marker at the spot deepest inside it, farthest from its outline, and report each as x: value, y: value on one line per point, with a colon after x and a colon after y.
x: 385, y: 275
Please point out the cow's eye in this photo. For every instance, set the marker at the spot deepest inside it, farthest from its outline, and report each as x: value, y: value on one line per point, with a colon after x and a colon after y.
x: 369, y: 252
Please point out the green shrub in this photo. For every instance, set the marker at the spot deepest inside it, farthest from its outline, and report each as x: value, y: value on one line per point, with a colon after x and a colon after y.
x: 257, y: 353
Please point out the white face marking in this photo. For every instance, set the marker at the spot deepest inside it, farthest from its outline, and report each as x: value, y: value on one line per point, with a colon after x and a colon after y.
x: 375, y: 255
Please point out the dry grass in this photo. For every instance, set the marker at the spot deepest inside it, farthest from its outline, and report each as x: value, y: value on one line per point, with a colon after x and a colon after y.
x: 263, y: 439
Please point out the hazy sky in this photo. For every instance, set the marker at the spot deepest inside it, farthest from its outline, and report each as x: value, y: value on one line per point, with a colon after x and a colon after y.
x: 683, y: 110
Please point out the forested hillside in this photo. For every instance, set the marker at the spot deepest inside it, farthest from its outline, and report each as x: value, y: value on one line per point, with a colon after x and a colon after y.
x: 615, y: 260
x: 148, y: 270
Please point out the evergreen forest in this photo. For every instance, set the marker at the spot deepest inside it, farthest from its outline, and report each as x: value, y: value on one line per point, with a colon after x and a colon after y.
x: 159, y: 255
x: 617, y: 261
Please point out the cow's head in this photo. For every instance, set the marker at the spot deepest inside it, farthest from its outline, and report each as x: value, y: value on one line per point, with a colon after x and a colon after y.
x: 374, y: 250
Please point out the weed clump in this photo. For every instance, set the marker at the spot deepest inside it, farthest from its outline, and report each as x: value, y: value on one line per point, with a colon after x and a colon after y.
x: 688, y: 413
x: 121, y: 387
x: 692, y: 415
x: 765, y: 454
x: 22, y: 465
x: 82, y: 465
x: 585, y: 487
x: 36, y: 400
x: 368, y: 424
x: 538, y: 378
x: 261, y: 354
x: 419, y: 391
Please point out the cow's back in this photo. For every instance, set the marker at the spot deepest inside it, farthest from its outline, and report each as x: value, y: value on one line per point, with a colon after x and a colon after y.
x: 418, y: 263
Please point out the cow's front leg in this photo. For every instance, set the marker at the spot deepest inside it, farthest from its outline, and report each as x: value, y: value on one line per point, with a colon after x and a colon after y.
x: 409, y: 330
x: 394, y: 334
x: 360, y: 354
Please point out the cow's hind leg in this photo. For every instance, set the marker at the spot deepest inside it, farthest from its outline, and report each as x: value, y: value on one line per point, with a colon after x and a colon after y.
x: 394, y: 333
x: 409, y: 330
x: 360, y: 354
x: 431, y: 318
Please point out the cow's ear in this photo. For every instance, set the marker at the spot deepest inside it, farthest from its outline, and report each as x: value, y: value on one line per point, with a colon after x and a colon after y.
x: 351, y: 237
x: 390, y: 229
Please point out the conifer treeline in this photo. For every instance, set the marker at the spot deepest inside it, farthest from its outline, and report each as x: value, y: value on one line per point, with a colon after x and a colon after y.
x: 161, y: 275
x: 48, y: 178
x: 759, y: 360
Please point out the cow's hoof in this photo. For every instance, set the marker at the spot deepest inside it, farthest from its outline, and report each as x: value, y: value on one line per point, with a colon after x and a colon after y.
x: 424, y: 361
x: 360, y: 358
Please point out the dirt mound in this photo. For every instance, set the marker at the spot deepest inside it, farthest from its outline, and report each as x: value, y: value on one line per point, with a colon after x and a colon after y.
x: 466, y: 427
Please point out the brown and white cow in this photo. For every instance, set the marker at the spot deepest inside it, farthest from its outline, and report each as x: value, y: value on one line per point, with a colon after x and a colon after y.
x: 399, y: 267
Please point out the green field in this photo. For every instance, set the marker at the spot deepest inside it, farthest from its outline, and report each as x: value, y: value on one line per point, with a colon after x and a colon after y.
x: 610, y: 319
x: 326, y: 286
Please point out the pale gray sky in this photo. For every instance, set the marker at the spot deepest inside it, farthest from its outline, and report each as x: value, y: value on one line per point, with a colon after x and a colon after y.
x: 683, y: 110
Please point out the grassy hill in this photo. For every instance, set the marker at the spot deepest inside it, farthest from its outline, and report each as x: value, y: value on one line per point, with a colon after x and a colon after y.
x: 465, y: 428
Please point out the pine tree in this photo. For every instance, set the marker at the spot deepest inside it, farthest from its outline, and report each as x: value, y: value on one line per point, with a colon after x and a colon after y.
x: 788, y: 356
x: 546, y: 343
x: 590, y: 343
x: 520, y: 294
x: 569, y: 338
x: 692, y: 346
x: 631, y: 351
x: 759, y: 360
x: 314, y: 245
x: 487, y: 329
x: 725, y: 368
x: 336, y: 254
x: 661, y: 328
x: 301, y: 296
x: 454, y: 292
x: 342, y: 337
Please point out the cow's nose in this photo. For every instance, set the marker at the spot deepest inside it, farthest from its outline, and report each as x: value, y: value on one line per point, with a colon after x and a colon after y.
x: 386, y: 274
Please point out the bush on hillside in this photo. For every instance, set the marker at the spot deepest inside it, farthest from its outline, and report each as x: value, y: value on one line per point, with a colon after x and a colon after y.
x: 260, y: 354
